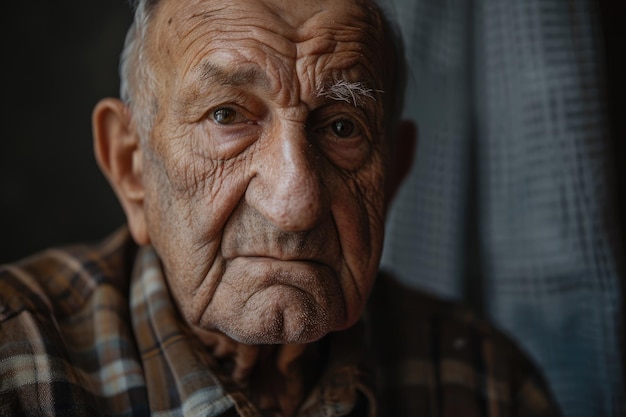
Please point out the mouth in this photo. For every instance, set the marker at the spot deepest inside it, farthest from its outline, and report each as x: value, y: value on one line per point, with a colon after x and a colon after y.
x: 282, y: 276
x: 283, y: 269
x: 289, y: 260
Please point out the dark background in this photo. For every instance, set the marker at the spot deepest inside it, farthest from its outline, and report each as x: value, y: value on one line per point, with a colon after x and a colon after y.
x: 59, y: 58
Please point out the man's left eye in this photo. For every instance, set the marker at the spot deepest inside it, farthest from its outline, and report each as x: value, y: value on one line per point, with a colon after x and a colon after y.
x: 343, y: 128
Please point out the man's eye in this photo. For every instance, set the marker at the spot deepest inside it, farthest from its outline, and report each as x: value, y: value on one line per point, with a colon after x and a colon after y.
x: 225, y: 116
x: 343, y: 128
x: 340, y: 127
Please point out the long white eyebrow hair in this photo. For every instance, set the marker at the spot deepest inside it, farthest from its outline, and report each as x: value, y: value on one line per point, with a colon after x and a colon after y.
x: 355, y: 93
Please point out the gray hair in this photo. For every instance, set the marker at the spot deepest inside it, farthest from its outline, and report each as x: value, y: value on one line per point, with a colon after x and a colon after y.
x: 138, y: 83
x: 137, y: 80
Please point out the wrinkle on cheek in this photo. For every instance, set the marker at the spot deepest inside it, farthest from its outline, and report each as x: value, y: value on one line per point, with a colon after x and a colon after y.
x: 219, y: 185
x: 187, y: 170
x: 373, y: 198
x: 364, y: 188
x: 360, y: 223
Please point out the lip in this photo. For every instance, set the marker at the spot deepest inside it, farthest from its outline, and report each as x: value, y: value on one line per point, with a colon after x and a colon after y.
x: 286, y: 264
x: 270, y: 263
x: 275, y: 258
x: 263, y: 258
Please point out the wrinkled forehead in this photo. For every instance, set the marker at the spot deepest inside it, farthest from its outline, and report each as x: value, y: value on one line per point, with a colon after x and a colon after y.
x: 290, y: 29
x: 289, y: 18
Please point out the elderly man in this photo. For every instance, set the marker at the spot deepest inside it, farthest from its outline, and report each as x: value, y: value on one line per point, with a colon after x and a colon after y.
x: 254, y: 151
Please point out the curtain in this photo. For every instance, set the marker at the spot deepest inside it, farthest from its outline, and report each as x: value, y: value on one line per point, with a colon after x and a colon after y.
x: 508, y: 207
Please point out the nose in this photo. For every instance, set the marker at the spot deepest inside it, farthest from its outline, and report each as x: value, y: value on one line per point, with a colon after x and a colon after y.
x: 287, y: 187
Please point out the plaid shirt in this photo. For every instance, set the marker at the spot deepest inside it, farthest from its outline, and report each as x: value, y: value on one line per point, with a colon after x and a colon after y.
x: 92, y: 331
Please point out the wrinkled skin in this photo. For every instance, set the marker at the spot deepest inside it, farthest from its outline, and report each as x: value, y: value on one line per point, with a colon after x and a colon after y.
x: 264, y: 198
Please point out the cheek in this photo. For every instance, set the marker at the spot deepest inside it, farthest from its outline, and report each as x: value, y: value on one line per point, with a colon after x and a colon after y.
x: 196, y: 193
x: 358, y: 211
x: 188, y: 203
x: 360, y: 207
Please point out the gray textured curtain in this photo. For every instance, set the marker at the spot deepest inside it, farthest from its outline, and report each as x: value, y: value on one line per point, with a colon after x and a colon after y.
x: 508, y: 205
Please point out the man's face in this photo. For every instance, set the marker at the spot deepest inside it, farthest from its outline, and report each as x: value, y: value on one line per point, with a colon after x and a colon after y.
x: 264, y: 173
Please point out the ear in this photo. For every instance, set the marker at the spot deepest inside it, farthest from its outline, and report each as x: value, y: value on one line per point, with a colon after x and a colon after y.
x: 401, y: 159
x: 118, y: 153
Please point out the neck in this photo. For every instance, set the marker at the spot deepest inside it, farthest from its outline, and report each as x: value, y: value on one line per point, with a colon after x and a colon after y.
x: 275, y: 377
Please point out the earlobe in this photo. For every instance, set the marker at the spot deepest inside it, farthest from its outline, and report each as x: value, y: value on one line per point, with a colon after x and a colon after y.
x: 402, y: 157
x: 118, y: 153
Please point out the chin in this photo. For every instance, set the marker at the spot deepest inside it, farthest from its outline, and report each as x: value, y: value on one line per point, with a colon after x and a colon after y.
x: 289, y: 320
x: 279, y: 337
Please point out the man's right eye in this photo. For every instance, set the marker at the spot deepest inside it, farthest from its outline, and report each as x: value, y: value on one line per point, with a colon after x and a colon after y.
x: 227, y: 116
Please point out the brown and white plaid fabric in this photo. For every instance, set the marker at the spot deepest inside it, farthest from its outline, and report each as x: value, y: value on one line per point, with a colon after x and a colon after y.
x: 91, y: 330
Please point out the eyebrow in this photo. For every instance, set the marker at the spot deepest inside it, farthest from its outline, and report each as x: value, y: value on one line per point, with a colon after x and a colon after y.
x: 210, y: 72
x: 355, y: 93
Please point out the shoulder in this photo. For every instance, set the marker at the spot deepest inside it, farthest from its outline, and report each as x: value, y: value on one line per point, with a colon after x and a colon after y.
x: 437, y: 348
x: 48, y: 302
x: 59, y: 280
